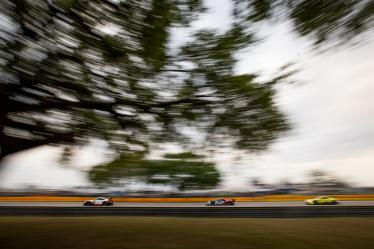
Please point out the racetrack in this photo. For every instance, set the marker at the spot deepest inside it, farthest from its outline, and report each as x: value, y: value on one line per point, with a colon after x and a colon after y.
x: 245, y: 209
x: 178, y: 204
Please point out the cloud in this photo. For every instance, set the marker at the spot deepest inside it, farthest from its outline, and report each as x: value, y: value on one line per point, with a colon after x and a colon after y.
x: 331, y: 113
x: 38, y: 167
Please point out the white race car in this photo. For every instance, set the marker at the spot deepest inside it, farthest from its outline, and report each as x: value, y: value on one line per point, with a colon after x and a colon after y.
x: 99, y: 201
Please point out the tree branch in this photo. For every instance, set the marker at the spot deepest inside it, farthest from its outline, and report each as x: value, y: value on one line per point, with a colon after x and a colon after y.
x: 191, y: 100
x: 10, y: 144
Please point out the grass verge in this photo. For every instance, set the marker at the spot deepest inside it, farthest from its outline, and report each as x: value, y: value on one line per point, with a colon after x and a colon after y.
x: 180, y: 233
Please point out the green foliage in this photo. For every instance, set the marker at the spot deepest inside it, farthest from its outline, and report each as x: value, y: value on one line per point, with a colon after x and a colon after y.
x: 180, y: 170
x: 155, y: 33
x: 65, y: 4
x: 310, y: 20
x: 183, y: 156
x: 261, y: 10
x: 73, y: 70
x: 321, y: 20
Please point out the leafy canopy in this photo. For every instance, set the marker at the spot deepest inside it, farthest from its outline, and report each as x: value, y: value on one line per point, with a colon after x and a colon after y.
x: 186, y: 171
x: 75, y: 69
x: 72, y: 70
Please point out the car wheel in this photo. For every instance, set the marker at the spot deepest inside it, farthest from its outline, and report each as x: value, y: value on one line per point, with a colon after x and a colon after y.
x: 104, y: 204
x: 87, y: 204
x: 315, y: 203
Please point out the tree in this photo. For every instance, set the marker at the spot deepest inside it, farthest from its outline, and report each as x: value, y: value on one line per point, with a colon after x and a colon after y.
x: 185, y: 171
x: 66, y: 79
x: 322, y: 20
x: 72, y: 70
x: 320, y: 178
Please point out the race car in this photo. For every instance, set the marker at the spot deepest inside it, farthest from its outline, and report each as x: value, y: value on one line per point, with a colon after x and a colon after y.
x: 322, y: 200
x: 99, y: 201
x: 221, y: 202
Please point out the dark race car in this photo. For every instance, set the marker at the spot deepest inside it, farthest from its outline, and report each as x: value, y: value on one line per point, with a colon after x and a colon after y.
x: 221, y: 202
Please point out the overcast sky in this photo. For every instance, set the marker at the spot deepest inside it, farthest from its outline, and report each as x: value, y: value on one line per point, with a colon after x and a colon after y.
x: 331, y: 112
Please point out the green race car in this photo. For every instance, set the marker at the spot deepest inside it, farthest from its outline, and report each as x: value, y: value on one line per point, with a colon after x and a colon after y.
x: 322, y: 200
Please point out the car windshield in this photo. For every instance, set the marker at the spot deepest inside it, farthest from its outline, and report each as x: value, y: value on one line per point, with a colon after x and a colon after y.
x: 100, y: 198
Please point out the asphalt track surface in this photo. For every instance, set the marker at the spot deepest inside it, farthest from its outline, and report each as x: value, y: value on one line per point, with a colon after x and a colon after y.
x: 242, y: 209
x: 178, y: 204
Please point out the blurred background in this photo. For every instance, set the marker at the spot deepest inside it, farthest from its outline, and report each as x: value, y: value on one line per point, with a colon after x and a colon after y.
x: 186, y: 97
